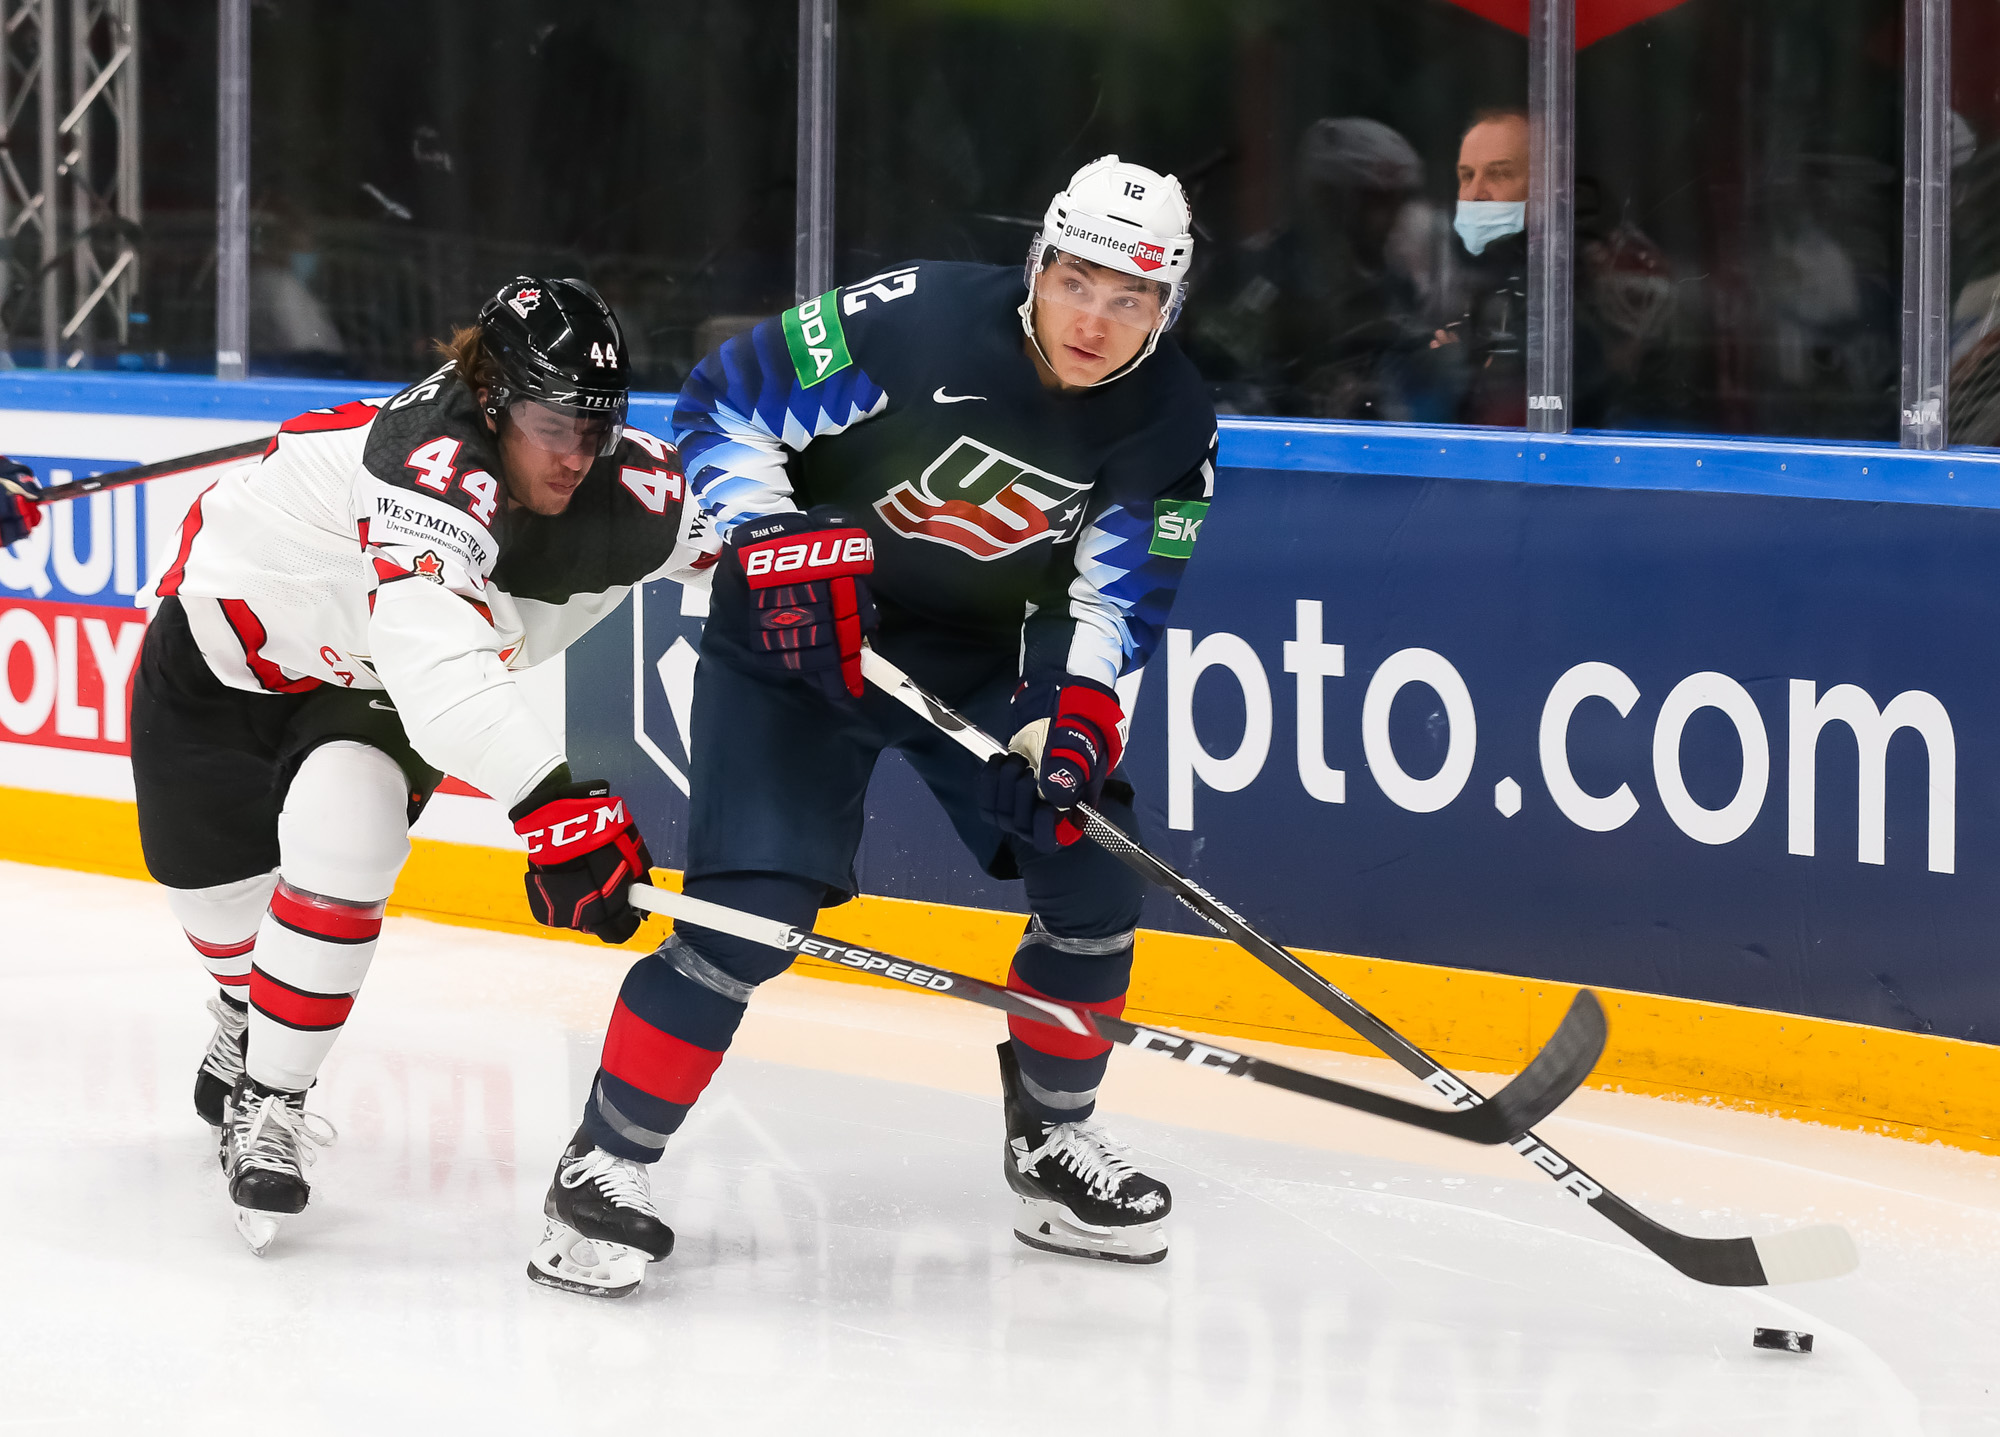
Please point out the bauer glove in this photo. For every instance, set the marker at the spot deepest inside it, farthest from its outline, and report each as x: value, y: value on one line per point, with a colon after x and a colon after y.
x: 800, y: 580
x: 584, y: 855
x: 1065, y: 746
x: 19, y: 512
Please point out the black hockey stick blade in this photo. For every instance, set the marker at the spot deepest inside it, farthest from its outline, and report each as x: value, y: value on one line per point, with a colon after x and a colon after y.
x: 1557, y: 1071
x: 158, y: 469
x: 1548, y: 1080
x: 1799, y: 1255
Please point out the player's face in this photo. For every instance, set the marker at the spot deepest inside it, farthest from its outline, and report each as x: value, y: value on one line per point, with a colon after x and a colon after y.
x: 1091, y: 321
x: 547, y: 452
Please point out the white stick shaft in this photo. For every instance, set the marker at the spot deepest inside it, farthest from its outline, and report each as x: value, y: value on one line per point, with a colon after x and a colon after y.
x: 895, y: 683
x: 747, y: 926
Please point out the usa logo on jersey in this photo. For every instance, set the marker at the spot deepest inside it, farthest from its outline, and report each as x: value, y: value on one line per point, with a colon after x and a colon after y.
x: 985, y: 503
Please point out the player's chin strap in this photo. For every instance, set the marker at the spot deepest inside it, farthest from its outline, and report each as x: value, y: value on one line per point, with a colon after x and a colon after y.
x: 1801, y: 1254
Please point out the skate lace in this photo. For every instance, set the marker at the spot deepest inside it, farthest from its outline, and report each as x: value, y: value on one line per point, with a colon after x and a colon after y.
x: 224, y: 1057
x: 274, y: 1135
x: 621, y: 1180
x: 1089, y: 1152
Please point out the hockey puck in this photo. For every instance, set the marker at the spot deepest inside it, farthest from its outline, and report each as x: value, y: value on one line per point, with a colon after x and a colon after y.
x: 1777, y: 1339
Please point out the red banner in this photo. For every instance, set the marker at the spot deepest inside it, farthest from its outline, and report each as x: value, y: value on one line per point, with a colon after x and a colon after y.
x: 1595, y: 19
x: 66, y: 674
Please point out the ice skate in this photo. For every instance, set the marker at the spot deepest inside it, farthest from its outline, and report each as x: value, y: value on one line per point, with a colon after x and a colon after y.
x: 267, y: 1143
x: 1079, y: 1194
x: 600, y: 1228
x: 222, y: 1064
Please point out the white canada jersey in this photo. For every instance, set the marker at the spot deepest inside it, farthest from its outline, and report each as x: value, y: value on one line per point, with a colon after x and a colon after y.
x: 373, y: 547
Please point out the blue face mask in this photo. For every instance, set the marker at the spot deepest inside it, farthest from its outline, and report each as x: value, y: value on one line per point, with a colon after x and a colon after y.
x: 1480, y: 222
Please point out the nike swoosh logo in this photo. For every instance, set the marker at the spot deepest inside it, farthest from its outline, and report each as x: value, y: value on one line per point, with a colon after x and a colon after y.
x: 378, y: 704
x: 942, y: 398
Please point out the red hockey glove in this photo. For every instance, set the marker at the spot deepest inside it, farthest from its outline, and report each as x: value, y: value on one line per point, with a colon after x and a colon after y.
x: 1066, y: 746
x: 584, y: 854
x: 19, y: 512
x: 808, y: 595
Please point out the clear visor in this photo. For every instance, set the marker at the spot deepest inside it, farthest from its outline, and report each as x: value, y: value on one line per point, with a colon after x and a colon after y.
x: 1094, y: 292
x: 566, y: 432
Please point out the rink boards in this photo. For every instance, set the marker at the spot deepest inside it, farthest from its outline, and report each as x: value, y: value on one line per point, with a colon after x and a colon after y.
x: 1706, y: 723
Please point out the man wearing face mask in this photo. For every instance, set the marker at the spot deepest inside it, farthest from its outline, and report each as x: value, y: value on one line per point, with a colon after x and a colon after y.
x: 1492, y: 222
x: 340, y: 628
x: 1000, y: 472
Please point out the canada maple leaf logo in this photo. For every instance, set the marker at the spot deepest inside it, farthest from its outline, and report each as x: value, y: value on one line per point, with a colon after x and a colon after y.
x: 525, y: 301
x: 429, y: 566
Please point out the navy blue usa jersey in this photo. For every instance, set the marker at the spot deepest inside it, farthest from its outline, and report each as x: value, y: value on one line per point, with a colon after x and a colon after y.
x: 909, y: 402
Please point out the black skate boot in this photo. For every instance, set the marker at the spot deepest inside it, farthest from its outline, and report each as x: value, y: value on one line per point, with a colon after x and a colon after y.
x: 1078, y: 1193
x: 265, y: 1150
x: 222, y: 1064
x: 600, y: 1228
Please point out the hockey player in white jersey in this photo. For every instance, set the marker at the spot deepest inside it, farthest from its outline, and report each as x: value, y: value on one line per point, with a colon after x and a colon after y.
x: 338, y: 630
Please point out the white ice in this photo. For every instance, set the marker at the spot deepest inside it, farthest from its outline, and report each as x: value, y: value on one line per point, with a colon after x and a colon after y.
x: 846, y: 1262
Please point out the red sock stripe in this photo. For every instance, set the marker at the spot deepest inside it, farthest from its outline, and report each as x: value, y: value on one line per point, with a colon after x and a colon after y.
x: 657, y: 1064
x: 327, y: 918
x: 232, y: 980
x: 296, y: 1008
x: 221, y: 950
x: 1054, y: 1041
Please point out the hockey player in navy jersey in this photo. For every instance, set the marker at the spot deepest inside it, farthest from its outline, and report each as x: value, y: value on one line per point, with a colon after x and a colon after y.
x: 992, y: 478
x: 339, y: 628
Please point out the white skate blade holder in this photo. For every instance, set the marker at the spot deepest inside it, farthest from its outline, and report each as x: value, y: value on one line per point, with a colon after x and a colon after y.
x: 1051, y: 1227
x: 568, y: 1260
x: 259, y: 1229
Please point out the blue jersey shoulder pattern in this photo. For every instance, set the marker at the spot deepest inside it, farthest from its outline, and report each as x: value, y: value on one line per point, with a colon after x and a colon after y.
x: 744, y: 406
x: 1126, y: 578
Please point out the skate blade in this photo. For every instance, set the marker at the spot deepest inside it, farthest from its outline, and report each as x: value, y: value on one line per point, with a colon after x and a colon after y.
x: 259, y: 1229
x: 570, y: 1262
x: 1049, y: 1227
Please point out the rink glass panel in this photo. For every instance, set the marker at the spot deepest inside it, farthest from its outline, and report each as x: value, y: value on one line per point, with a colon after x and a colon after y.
x: 1318, y: 144
x: 170, y: 314
x: 1974, y: 406
x: 410, y: 157
x: 1739, y: 218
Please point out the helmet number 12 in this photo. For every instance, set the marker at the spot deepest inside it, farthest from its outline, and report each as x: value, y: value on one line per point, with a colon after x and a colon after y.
x: 1134, y: 190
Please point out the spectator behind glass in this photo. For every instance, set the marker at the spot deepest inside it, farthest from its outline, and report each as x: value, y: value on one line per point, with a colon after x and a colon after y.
x: 1332, y: 313
x: 1491, y: 221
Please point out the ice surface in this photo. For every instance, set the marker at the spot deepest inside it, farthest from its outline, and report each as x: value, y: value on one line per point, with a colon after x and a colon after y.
x: 846, y: 1262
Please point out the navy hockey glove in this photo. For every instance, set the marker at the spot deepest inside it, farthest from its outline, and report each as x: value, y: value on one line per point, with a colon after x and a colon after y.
x: 584, y: 855
x: 809, y: 605
x: 1065, y: 747
x: 18, y: 510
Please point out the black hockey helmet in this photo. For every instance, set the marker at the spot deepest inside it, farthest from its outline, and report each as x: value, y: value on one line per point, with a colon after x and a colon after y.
x: 560, y: 348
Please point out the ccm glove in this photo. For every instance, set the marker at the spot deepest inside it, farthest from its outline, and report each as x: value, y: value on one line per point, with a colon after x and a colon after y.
x: 1066, y: 745
x: 18, y: 510
x: 584, y: 854
x: 806, y: 591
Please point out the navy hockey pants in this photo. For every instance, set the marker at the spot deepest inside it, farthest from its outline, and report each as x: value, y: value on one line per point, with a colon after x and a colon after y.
x: 779, y: 781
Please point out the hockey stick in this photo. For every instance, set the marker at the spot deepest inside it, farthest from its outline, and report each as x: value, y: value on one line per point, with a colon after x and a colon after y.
x: 1803, y: 1254
x: 1539, y: 1089
x: 158, y: 469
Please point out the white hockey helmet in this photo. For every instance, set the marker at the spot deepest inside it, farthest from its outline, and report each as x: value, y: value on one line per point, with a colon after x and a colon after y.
x: 1127, y: 218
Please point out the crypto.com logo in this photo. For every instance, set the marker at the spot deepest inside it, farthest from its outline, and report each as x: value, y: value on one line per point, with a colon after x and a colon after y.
x: 1808, y: 711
